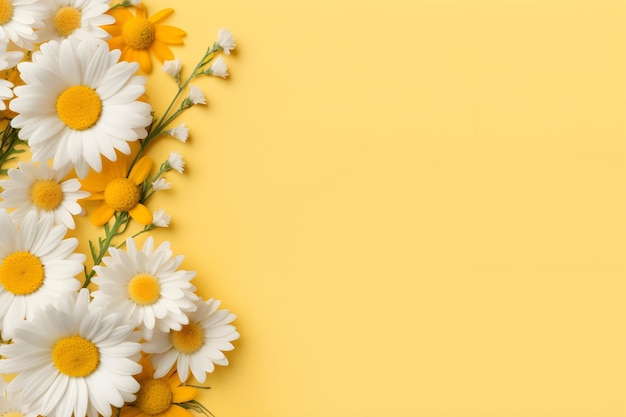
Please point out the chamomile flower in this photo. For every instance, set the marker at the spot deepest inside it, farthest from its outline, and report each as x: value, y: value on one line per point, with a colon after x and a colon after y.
x: 39, y: 188
x: 79, y: 103
x: 197, y: 346
x: 36, y: 265
x: 140, y: 36
x: 18, y: 21
x: 80, y: 18
x: 118, y: 191
x: 159, y: 396
x: 8, y: 59
x: 73, y: 357
x: 10, y: 406
x: 147, y: 286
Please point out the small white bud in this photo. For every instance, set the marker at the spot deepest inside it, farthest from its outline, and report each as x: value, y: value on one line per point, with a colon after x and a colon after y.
x: 225, y: 40
x: 176, y: 161
x: 219, y: 68
x: 160, y: 218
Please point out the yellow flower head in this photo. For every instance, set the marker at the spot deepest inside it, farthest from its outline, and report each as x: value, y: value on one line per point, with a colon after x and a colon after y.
x: 118, y: 191
x: 138, y: 36
x: 159, y: 397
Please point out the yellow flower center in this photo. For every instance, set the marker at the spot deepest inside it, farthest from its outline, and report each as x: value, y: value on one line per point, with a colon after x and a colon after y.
x: 6, y: 11
x: 79, y: 107
x: 138, y: 33
x: 21, y: 273
x: 67, y: 20
x: 75, y: 356
x: 188, y: 339
x: 12, y: 414
x: 46, y: 194
x: 122, y: 194
x: 154, y: 397
x: 144, y: 289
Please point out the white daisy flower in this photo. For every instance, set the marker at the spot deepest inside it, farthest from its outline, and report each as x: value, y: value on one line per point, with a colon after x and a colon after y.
x: 39, y: 188
x: 8, y: 59
x: 79, y: 103
x: 172, y: 68
x: 18, y: 21
x: 79, y: 18
x: 225, y: 40
x: 176, y: 162
x: 161, y: 184
x: 179, y: 132
x: 160, y: 218
x: 36, y: 265
x: 73, y: 358
x: 146, y: 286
x: 10, y: 406
x: 198, y: 346
x: 196, y: 96
x: 219, y: 68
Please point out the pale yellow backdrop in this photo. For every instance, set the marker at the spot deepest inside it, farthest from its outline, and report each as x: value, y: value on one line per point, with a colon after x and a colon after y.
x: 415, y: 208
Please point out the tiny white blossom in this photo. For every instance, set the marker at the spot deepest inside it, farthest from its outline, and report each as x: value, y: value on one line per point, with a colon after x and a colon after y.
x: 160, y: 218
x: 176, y: 161
x: 196, y: 96
x: 225, y: 40
x: 172, y: 67
x: 219, y: 67
x: 179, y: 132
x: 161, y: 184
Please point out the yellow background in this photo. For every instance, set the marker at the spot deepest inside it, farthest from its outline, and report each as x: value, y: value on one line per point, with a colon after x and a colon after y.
x: 415, y: 208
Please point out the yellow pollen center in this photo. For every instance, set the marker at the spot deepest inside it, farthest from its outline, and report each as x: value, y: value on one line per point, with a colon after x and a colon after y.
x: 154, y: 397
x: 21, y: 273
x: 75, y: 356
x: 46, y: 194
x: 188, y: 339
x: 79, y: 107
x: 12, y: 414
x: 138, y: 33
x: 6, y: 11
x: 67, y: 20
x: 122, y: 194
x: 144, y: 289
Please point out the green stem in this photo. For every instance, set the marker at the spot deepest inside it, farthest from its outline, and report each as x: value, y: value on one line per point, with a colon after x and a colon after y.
x: 120, y: 225
x: 165, y: 120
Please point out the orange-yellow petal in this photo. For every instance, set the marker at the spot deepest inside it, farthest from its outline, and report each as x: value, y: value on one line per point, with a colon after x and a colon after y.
x: 157, y: 17
x: 116, y: 42
x: 141, y: 214
x: 142, y: 57
x: 141, y: 11
x: 177, y: 411
x: 101, y: 214
x: 161, y: 51
x: 141, y: 170
x: 169, y: 34
x: 95, y: 196
x: 183, y: 394
x: 129, y: 411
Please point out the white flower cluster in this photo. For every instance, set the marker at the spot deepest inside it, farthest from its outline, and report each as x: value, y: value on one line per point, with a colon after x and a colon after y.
x: 75, y: 348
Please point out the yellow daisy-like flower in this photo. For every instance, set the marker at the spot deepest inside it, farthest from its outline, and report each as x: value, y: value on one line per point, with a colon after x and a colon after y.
x: 118, y: 191
x: 159, y: 397
x: 138, y: 36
